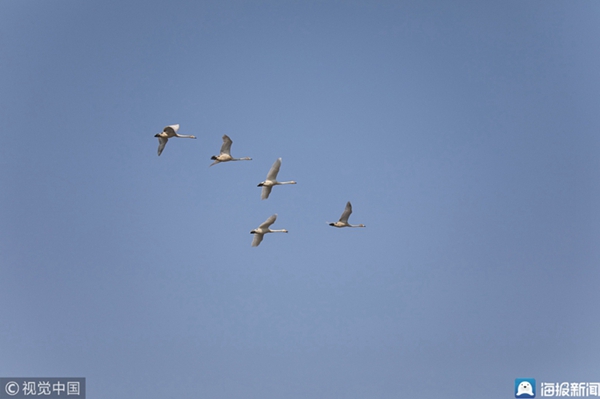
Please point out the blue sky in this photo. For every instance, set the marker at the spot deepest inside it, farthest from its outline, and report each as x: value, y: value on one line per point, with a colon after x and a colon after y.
x: 465, y: 134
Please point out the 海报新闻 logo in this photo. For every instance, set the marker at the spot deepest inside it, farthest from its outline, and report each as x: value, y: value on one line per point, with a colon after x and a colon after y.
x: 525, y: 388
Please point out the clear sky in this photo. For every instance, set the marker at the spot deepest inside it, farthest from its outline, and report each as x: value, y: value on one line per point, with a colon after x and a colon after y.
x: 465, y: 134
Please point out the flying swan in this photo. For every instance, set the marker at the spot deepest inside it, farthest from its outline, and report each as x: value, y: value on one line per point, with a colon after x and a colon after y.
x: 264, y: 229
x: 225, y: 155
x: 271, y: 180
x: 166, y: 134
x: 343, y: 222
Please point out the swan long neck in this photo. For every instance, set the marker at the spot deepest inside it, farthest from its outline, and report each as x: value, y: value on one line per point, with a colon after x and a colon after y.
x: 286, y: 182
x: 242, y: 159
x: 278, y: 231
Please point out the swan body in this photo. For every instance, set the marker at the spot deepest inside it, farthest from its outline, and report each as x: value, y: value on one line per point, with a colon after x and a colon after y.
x: 343, y: 222
x: 271, y: 180
x: 263, y: 229
x: 225, y: 155
x: 166, y: 134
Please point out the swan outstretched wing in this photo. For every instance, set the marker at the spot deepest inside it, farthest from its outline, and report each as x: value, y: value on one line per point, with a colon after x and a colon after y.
x: 171, y: 130
x: 268, y: 222
x: 226, y: 147
x: 266, y: 190
x: 257, y: 239
x: 346, y: 213
x: 272, y: 175
x: 162, y: 142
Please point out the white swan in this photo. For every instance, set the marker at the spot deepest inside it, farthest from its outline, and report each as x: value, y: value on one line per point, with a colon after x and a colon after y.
x: 271, y: 180
x: 343, y: 222
x: 264, y: 229
x: 166, y: 134
x: 225, y: 155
